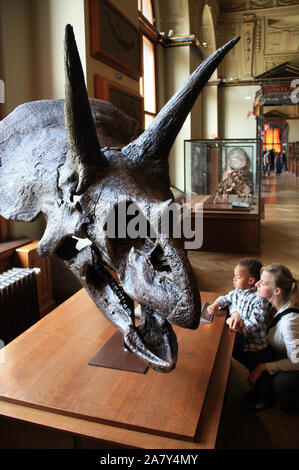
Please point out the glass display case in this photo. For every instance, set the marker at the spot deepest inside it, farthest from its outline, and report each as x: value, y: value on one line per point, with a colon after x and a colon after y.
x: 224, y: 175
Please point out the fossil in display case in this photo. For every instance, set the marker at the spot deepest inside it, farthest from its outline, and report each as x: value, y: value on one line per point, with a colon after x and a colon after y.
x: 237, y: 183
x: 236, y: 179
x: 223, y: 174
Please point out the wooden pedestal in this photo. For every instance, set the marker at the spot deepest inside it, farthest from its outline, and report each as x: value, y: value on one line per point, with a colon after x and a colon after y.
x: 23, y: 253
x: 45, y: 380
x: 232, y: 233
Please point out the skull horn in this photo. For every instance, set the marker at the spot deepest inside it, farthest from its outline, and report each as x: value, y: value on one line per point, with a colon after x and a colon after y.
x: 157, y: 140
x: 82, y: 137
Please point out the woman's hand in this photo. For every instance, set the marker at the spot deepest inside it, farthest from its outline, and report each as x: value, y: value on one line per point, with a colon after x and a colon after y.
x: 256, y: 373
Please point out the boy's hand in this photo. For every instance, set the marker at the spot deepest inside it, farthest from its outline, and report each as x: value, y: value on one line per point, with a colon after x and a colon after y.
x: 235, y: 322
x: 213, y: 308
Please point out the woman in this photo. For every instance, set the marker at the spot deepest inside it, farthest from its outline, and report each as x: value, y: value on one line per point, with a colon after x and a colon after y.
x: 279, y: 379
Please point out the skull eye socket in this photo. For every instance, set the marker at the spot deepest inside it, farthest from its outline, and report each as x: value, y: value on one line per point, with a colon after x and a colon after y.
x: 158, y: 260
x: 67, y: 249
x: 126, y: 226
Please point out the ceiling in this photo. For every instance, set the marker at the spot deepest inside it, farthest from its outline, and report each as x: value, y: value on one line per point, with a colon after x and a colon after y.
x: 245, y: 5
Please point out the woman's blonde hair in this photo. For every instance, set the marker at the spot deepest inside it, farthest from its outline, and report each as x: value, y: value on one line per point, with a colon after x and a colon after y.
x: 284, y: 279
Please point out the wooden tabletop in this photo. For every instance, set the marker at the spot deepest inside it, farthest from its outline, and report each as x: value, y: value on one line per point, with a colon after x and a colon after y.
x: 46, y: 379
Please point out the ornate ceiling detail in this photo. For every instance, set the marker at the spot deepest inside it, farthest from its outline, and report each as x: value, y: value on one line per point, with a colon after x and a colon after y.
x: 269, y: 37
x: 244, y: 5
x: 282, y: 35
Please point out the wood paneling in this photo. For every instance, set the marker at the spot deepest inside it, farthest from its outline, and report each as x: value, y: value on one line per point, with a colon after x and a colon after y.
x: 7, y: 250
x: 4, y: 229
x: 28, y: 257
x: 233, y: 235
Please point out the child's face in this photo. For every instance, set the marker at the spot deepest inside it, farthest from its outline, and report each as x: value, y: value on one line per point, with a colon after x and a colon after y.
x: 265, y: 285
x: 242, y: 279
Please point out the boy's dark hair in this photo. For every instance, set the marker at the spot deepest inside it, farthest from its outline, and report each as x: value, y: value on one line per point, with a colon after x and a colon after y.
x: 253, y: 266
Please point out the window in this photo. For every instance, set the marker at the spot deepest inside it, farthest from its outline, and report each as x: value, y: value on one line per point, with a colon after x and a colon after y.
x: 146, y: 8
x: 272, y: 139
x: 148, y: 79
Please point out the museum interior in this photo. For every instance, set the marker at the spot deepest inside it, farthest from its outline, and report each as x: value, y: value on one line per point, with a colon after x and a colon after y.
x: 136, y: 54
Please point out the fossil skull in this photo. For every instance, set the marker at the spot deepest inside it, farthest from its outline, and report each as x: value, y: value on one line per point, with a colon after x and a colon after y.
x: 78, y: 159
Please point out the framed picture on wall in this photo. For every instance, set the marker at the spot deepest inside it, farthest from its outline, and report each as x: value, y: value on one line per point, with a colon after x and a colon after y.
x: 114, y: 40
x: 124, y: 99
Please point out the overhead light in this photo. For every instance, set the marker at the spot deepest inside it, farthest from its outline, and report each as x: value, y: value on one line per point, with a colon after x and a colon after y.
x: 247, y: 97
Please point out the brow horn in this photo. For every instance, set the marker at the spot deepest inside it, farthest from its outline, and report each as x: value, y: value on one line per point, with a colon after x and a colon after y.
x: 81, y: 132
x: 156, y: 141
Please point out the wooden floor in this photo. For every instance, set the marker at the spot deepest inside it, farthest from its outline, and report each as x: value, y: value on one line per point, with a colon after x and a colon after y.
x: 270, y: 429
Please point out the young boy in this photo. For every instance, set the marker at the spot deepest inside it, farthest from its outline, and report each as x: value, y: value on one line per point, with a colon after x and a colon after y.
x: 248, y: 315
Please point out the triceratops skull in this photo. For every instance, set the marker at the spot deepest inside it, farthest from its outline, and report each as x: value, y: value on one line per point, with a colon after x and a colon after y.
x: 73, y: 161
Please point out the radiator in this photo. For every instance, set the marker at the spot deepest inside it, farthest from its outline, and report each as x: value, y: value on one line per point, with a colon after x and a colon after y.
x: 19, y: 308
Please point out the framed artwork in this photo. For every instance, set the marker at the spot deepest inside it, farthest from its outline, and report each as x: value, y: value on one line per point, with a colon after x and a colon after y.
x: 126, y: 100
x: 114, y: 40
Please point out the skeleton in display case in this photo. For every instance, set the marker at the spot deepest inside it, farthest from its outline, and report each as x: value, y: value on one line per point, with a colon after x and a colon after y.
x: 236, y: 179
x: 236, y: 182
